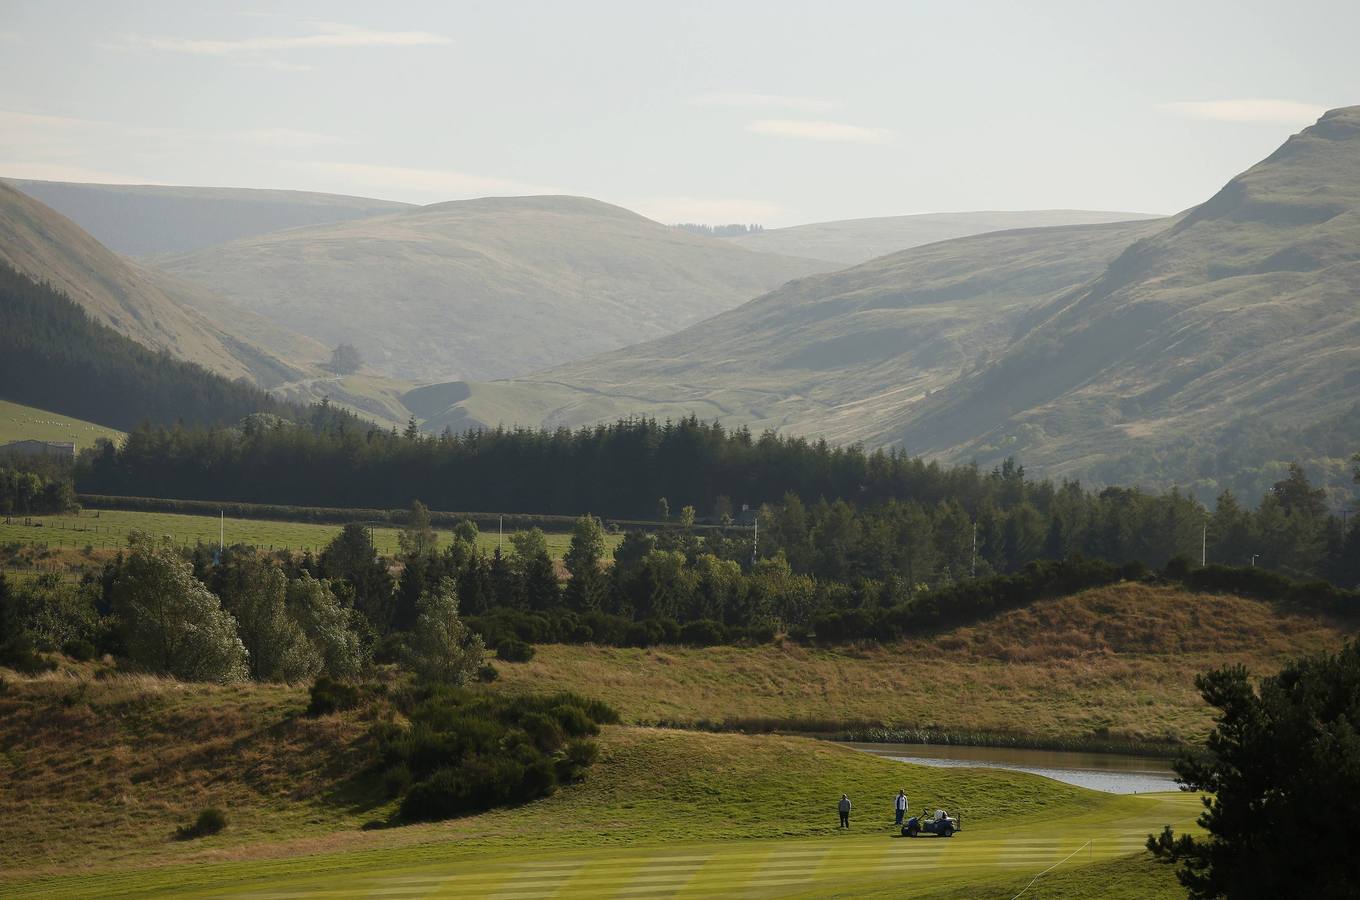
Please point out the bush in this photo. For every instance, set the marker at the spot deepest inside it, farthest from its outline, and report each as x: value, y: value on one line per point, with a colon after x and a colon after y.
x: 397, y: 779
x: 545, y: 731
x: 331, y: 696
x: 575, y: 721
x: 514, y: 650
x: 703, y: 633
x: 578, y: 756
x: 487, y: 673
x: 210, y: 821
x: 760, y: 633
x: 1178, y: 568
x: 1250, y: 581
x: 644, y: 634
x: 467, y: 751
x: 19, y: 655
x: 389, y: 649
x: 79, y: 649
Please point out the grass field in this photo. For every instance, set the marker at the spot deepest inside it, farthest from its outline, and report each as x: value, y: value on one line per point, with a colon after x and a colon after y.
x: 109, y: 528
x: 1115, y: 662
x: 19, y: 423
x: 96, y: 773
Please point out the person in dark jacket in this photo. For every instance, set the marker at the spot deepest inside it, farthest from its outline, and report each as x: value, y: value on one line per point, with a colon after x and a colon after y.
x: 845, y: 811
x: 900, y: 805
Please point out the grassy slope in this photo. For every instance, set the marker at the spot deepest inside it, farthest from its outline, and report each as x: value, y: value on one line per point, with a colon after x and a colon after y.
x: 1117, y: 661
x: 109, y: 528
x: 839, y: 355
x: 1241, y: 307
x: 138, y: 303
x: 143, y: 219
x: 486, y: 288
x: 853, y: 241
x: 19, y: 423
x: 96, y: 775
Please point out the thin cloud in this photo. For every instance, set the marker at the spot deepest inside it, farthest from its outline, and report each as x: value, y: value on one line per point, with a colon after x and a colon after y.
x: 326, y: 35
x: 277, y: 65
x: 1253, y: 111
x: 738, y: 100
x: 284, y: 138
x: 808, y: 130
x: 423, y: 185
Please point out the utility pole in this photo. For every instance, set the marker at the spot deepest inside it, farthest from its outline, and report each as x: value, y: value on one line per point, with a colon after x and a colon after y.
x: 972, y: 565
x: 500, y: 532
x: 221, y: 531
x: 755, y: 539
x: 1203, y: 545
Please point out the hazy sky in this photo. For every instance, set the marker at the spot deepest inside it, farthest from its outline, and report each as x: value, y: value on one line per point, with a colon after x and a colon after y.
x: 780, y: 113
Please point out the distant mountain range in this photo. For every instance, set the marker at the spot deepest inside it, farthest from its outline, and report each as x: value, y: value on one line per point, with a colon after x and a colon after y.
x: 1202, y: 349
x: 1120, y: 351
x: 1245, y: 308
x: 143, y: 220
x: 838, y: 355
x: 477, y: 289
x: 854, y: 241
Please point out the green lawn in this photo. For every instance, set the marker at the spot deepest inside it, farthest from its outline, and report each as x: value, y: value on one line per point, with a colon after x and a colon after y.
x: 27, y: 423
x: 109, y: 528
x: 1078, y: 856
x: 668, y: 813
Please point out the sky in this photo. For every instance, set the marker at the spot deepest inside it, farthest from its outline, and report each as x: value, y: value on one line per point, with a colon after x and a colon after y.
x: 775, y: 113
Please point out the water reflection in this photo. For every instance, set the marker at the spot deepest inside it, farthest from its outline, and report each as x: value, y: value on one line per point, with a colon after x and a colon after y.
x: 1113, y: 773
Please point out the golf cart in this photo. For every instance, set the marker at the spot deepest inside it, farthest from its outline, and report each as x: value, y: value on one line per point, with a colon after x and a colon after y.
x: 942, y: 824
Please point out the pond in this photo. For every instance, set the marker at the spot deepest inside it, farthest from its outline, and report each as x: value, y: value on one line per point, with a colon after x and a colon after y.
x: 1113, y: 773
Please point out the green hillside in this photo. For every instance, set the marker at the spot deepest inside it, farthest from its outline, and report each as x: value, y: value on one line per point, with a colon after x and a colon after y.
x: 837, y: 355
x: 140, y: 304
x: 18, y: 423
x: 143, y: 219
x: 853, y: 241
x: 1240, y: 312
x: 485, y: 288
x: 1205, y: 350
x: 54, y: 355
x: 662, y: 811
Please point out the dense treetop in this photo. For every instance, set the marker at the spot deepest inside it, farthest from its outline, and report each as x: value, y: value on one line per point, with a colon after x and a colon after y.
x: 54, y: 356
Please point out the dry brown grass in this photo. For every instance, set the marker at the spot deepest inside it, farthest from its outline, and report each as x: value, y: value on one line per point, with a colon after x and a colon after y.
x: 105, y: 768
x: 1118, y: 661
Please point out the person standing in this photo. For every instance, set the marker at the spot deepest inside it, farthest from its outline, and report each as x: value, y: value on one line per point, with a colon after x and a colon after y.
x: 845, y: 810
x: 900, y: 805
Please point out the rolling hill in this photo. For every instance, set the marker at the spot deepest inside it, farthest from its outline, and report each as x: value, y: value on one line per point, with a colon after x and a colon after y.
x: 1198, y: 350
x: 141, y: 219
x: 146, y: 306
x: 834, y: 355
x: 485, y: 288
x: 1242, y: 309
x: 27, y: 423
x: 853, y: 241
x: 55, y: 356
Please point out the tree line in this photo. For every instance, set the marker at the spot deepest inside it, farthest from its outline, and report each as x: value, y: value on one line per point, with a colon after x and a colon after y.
x: 676, y: 586
x: 35, y: 490
x: 55, y: 357
x: 835, y: 512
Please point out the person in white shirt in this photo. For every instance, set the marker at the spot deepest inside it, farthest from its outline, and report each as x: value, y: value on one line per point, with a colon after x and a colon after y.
x: 900, y: 805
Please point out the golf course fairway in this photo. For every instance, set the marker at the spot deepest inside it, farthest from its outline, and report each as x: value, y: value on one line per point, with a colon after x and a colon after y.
x: 684, y: 814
